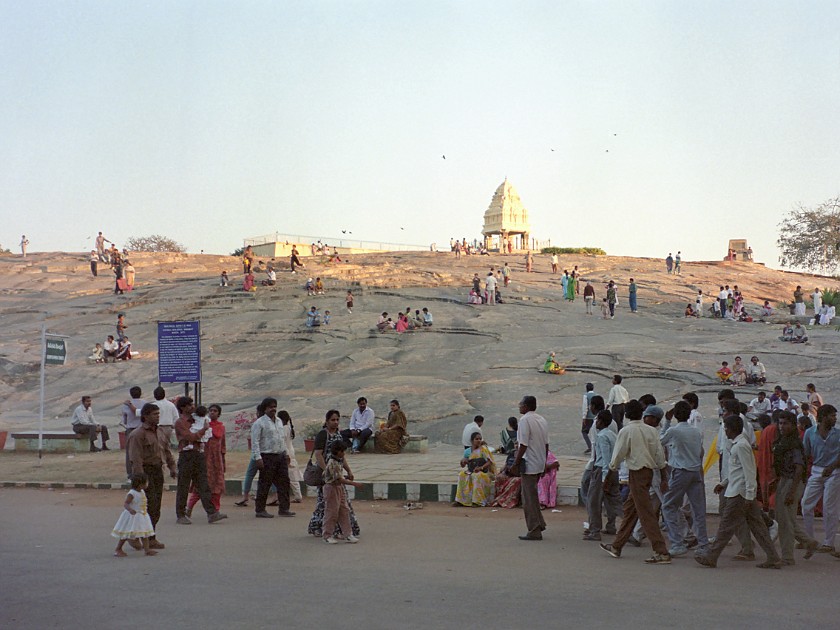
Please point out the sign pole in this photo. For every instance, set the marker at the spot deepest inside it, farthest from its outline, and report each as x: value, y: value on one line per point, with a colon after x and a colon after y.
x: 43, y: 371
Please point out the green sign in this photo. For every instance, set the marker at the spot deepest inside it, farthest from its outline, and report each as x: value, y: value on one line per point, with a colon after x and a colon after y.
x: 56, y: 351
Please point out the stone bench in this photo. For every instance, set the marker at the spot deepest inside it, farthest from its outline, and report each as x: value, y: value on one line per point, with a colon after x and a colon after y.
x: 54, y: 442
x: 415, y: 444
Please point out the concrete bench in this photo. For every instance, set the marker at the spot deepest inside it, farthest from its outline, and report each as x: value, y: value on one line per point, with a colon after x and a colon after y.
x: 54, y: 442
x: 415, y: 444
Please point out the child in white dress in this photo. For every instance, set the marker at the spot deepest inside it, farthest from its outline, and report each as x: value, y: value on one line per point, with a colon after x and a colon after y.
x: 134, y: 522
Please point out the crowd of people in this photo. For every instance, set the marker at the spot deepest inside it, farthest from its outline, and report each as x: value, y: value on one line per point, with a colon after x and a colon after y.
x: 113, y: 350
x: 406, y: 322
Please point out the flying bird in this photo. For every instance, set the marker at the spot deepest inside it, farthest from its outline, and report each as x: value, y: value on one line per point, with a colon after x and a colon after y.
x: 444, y: 157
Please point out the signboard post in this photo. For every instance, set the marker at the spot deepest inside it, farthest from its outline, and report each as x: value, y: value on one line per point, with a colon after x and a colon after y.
x: 53, y: 352
x: 179, y: 352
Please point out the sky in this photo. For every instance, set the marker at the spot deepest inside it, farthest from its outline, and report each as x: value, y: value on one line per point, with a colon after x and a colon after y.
x: 642, y: 128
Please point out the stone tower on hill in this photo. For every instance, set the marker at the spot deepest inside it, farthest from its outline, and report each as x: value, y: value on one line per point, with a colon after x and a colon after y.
x: 507, y: 218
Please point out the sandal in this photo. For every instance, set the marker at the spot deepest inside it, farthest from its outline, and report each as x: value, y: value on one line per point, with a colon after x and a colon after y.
x: 242, y: 503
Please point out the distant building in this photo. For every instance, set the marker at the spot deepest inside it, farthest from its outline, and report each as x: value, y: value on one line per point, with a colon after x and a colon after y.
x: 739, y: 250
x: 507, y: 219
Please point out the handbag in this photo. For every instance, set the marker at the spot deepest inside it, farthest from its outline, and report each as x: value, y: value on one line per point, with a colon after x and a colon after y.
x: 312, y: 474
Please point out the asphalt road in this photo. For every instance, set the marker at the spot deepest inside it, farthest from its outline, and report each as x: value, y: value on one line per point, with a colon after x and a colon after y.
x: 439, y: 567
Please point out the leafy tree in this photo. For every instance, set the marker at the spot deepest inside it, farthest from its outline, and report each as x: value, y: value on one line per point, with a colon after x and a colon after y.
x: 238, y: 252
x: 809, y: 238
x: 154, y: 243
x: 596, y: 251
x: 4, y: 251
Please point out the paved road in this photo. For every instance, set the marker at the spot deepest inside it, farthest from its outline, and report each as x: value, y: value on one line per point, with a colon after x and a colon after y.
x: 439, y: 567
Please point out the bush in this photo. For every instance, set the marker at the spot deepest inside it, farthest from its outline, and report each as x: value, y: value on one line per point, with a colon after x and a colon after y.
x: 238, y: 252
x: 4, y: 251
x: 154, y: 243
x: 593, y: 251
x: 831, y: 297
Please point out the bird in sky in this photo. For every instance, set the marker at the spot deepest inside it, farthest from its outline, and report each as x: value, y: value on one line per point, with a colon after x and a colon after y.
x: 444, y: 157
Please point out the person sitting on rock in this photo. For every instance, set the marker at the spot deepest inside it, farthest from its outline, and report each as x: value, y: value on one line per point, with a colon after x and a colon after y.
x: 110, y: 349
x: 124, y: 351
x: 787, y: 333
x: 689, y: 311
x: 319, y: 286
x: 271, y: 278
x: 766, y: 309
x: 248, y: 282
x: 724, y: 373
x: 223, y: 279
x: 475, y: 298
x: 310, y: 287
x: 313, y: 318
x: 799, y: 334
x: 427, y: 317
x: 551, y: 366
x: 98, y: 355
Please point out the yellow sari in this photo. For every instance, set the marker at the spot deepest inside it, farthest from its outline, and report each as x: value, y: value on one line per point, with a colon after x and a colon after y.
x: 475, y: 488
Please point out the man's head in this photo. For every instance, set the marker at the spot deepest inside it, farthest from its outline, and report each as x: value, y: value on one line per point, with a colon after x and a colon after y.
x: 725, y: 394
x: 692, y: 399
x: 633, y: 410
x: 159, y: 393
x: 617, y: 379
x: 362, y: 403
x: 597, y: 404
x: 86, y: 402
x: 110, y: 338
x: 479, y: 420
x: 827, y: 416
x: 150, y: 414
x: 646, y: 400
x: 754, y: 360
x: 603, y: 419
x: 761, y: 396
x: 590, y: 387
x: 784, y: 395
x: 652, y: 416
x: 135, y: 392
x: 682, y: 411
x: 185, y: 405
x: 733, y: 426
x: 528, y: 403
x: 269, y: 406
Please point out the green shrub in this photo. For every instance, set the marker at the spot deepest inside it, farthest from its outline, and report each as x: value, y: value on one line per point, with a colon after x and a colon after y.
x: 594, y: 251
x: 831, y: 297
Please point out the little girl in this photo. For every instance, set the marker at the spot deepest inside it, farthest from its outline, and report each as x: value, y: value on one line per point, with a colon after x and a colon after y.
x: 134, y: 522
x: 336, y: 509
x: 605, y: 309
x: 349, y: 301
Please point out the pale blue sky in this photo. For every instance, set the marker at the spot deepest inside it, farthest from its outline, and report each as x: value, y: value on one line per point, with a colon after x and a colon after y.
x: 214, y: 121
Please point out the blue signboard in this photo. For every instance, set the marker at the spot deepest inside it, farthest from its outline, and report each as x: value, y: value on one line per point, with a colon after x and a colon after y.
x: 179, y: 352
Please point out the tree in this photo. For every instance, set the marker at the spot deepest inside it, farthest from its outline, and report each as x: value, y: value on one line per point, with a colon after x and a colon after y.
x: 154, y: 243
x: 810, y: 237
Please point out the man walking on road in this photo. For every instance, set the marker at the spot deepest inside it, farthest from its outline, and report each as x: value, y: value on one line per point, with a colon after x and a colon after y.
x: 530, y: 459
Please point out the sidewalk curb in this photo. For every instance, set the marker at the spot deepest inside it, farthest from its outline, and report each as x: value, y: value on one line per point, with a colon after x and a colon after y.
x: 376, y: 491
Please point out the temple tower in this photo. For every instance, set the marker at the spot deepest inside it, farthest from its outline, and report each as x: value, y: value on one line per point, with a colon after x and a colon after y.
x: 506, y: 218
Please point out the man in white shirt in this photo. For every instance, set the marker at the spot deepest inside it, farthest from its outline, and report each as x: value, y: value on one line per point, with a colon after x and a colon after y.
x: 616, y: 399
x: 490, y: 285
x: 532, y: 437
x: 756, y: 373
x: 268, y: 448
x: 110, y: 349
x: 724, y: 293
x: 740, y: 507
x: 759, y: 406
x: 361, y: 426
x: 472, y: 427
x: 84, y: 424
x: 168, y: 413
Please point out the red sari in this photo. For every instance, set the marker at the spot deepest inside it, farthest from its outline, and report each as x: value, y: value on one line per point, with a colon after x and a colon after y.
x: 764, y: 464
x: 214, y: 455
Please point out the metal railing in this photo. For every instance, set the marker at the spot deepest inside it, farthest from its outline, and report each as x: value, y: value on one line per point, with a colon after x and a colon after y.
x: 301, y: 239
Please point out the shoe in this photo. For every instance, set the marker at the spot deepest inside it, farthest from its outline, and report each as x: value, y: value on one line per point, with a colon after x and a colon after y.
x: 242, y: 503
x: 93, y: 449
x: 285, y: 513
x: 154, y: 543
x: 317, y: 533
x: 587, y: 451
x: 769, y: 565
x: 659, y: 558
x: 264, y: 514
x: 352, y: 539
x: 825, y: 549
x: 615, y: 553
x: 678, y: 551
x: 774, y: 531
x: 811, y: 548
x: 104, y: 448
x: 744, y: 556
x: 355, y: 451
x: 136, y: 544
x: 528, y: 537
x: 595, y: 536
x: 332, y: 540
x: 633, y: 542
x: 188, y: 512
x: 703, y: 560
x: 610, y: 531
x: 215, y: 517
x: 788, y: 563
x: 184, y: 520
x: 691, y: 543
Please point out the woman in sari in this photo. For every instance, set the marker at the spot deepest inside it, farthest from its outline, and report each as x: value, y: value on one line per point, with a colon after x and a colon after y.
x: 547, y: 485
x: 507, y: 487
x: 323, y: 443
x: 571, y: 283
x: 402, y: 323
x: 214, y: 454
x: 739, y: 372
x: 475, y: 481
x: 392, y: 437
